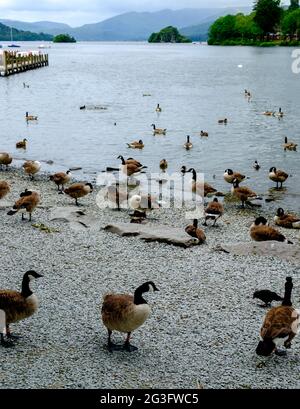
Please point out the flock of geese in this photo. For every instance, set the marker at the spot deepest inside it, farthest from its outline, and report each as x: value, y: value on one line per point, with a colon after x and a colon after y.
x: 124, y: 312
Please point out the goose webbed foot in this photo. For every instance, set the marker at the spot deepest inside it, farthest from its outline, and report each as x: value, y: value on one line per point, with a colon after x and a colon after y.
x: 6, y: 343
x: 264, y: 305
x: 114, y: 347
x: 129, y: 348
x: 280, y: 352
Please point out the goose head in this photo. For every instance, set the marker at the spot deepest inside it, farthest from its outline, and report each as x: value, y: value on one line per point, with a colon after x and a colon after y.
x: 265, y: 347
x: 280, y: 212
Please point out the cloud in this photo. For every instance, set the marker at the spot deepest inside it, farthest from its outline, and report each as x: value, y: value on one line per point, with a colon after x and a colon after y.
x: 78, y: 12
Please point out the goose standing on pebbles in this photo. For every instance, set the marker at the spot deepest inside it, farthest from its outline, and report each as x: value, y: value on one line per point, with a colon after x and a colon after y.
x: 5, y: 159
x: 4, y: 189
x: 188, y: 145
x: 243, y: 193
x: 27, y: 203
x: 261, y: 231
x: 288, y: 221
x: 31, y: 167
x: 278, y: 176
x: 281, y: 325
x: 61, y: 179
x: 18, y: 305
x: 194, y: 231
x: 214, y: 210
x: 125, y: 313
x: 78, y: 190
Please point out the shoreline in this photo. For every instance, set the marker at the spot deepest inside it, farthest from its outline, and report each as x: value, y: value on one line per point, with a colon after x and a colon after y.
x: 203, y: 318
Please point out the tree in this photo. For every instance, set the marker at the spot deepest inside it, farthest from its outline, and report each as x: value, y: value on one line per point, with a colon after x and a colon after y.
x: 168, y: 35
x: 222, y: 29
x: 294, y: 5
x: 291, y: 23
x: 267, y: 14
x: 64, y: 38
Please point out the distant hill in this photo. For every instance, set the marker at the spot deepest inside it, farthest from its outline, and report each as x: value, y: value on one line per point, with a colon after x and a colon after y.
x: 199, y: 32
x: 38, y: 27
x: 134, y: 26
x: 5, y: 35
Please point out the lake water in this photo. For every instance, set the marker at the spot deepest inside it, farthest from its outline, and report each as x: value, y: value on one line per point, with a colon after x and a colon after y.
x: 194, y: 84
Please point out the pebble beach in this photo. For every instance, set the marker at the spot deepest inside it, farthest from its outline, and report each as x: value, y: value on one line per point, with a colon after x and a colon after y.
x: 204, y: 325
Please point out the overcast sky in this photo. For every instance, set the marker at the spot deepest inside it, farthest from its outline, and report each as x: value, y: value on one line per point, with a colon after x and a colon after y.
x: 78, y: 12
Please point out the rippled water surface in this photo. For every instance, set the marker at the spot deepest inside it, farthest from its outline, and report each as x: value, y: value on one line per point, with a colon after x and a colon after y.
x: 195, y: 85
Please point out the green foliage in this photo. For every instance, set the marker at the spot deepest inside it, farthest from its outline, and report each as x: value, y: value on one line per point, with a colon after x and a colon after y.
x: 294, y: 5
x: 18, y: 35
x: 239, y: 29
x: 291, y: 23
x: 168, y: 35
x: 64, y: 38
x: 268, y: 14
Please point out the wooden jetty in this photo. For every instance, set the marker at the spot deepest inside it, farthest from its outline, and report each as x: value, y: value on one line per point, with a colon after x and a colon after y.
x: 14, y: 62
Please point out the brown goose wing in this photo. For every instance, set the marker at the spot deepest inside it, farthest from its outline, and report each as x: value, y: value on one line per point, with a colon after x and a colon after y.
x: 13, y: 303
x: 115, y: 307
x: 214, y: 208
x: 278, y: 322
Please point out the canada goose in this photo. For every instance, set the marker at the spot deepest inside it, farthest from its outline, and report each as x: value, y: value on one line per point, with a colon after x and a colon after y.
x: 280, y: 113
x: 60, y: 179
x: 136, y: 144
x: 78, y: 190
x: 4, y: 189
x: 126, y: 313
x: 290, y: 146
x: 82, y: 107
x: 25, y: 85
x: 31, y: 167
x: 278, y: 176
x: 27, y: 203
x: 158, y: 131
x: 158, y: 108
x: 21, y: 144
x: 199, y: 187
x: 30, y: 117
x: 267, y: 297
x: 5, y: 159
x: 280, y: 326
x: 256, y: 165
x: 288, y: 221
x: 131, y: 167
x: 193, y: 231
x: 202, y: 133
x: 163, y: 164
x: 243, y: 193
x: 129, y: 161
x: 229, y: 176
x: 214, y: 210
x: 261, y: 231
x: 18, y: 305
x: 223, y: 121
x: 188, y: 145
x: 269, y: 113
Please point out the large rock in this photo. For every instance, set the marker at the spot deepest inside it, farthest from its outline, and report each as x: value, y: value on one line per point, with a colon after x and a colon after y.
x: 162, y: 234
x: 265, y: 248
x: 77, y: 218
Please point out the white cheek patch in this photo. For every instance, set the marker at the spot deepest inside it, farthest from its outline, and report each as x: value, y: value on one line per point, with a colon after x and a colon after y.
x: 31, y: 278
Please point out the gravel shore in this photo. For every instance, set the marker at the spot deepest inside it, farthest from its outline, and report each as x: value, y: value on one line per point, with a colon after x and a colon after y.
x: 204, y: 326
